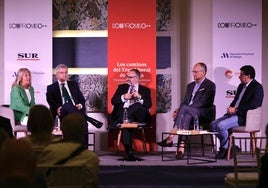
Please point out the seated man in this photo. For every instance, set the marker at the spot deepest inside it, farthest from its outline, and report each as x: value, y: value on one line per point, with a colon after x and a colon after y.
x: 71, y: 151
x: 198, y: 100
x: 249, y: 96
x: 137, y: 100
x: 64, y: 96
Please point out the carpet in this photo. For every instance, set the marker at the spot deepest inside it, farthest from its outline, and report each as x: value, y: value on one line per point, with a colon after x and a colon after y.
x: 163, y: 176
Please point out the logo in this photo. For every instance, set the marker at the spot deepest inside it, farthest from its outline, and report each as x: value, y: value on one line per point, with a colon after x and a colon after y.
x: 130, y: 26
x: 28, y: 57
x: 228, y: 74
x: 235, y: 55
x: 27, y: 26
x: 236, y: 25
x: 225, y: 55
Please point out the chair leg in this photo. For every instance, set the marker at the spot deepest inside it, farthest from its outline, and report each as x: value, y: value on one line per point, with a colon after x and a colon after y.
x: 118, y: 140
x: 143, y: 141
x: 202, y: 145
x: 252, y: 143
x: 229, y: 146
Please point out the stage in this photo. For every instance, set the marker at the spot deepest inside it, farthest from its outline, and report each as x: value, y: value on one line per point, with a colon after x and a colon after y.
x: 153, y: 159
x: 152, y: 172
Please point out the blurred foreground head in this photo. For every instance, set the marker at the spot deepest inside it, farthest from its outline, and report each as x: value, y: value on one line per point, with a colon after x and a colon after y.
x: 73, y: 127
x: 40, y: 123
x: 17, y: 160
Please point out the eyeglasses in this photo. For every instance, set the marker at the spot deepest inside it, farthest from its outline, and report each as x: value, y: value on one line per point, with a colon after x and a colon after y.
x: 196, y: 71
x: 130, y: 77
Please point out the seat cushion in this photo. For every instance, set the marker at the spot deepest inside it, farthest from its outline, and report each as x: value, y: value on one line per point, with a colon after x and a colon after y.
x: 241, y: 129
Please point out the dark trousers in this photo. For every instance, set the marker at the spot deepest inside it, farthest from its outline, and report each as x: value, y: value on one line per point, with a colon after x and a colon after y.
x: 136, y: 113
x: 188, y: 113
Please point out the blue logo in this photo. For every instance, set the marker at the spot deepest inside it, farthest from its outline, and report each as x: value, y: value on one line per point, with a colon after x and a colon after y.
x: 225, y: 55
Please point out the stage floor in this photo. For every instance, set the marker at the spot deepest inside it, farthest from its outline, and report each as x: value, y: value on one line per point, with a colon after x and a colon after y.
x: 155, y: 159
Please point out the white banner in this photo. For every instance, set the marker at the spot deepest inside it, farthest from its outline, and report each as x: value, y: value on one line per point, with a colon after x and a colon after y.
x: 237, y: 28
x: 28, y: 43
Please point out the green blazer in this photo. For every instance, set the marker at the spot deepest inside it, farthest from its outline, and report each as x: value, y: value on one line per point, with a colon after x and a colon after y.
x: 19, y: 102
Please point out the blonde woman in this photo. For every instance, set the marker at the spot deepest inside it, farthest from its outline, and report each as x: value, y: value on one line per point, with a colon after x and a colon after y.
x: 22, y: 96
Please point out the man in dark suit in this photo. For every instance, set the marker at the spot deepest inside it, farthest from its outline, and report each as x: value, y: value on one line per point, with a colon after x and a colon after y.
x: 249, y: 96
x: 198, y: 101
x: 136, y: 99
x: 65, y: 97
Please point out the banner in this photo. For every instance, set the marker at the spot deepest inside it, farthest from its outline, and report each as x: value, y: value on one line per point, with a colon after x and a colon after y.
x: 132, y: 44
x: 28, y: 44
x: 237, y: 31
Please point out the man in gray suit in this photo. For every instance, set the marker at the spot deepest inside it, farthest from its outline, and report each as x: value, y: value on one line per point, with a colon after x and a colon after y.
x: 198, y: 101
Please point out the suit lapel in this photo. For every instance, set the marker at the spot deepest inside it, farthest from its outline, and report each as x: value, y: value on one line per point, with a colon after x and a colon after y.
x: 201, y: 88
x: 24, y: 96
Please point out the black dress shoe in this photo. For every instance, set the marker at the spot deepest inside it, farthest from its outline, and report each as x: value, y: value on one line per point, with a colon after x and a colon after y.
x: 164, y: 143
x: 222, y: 154
x: 130, y: 156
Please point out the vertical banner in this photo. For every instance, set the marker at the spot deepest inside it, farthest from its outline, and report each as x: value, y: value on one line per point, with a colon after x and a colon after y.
x: 237, y: 27
x: 28, y: 44
x: 132, y: 44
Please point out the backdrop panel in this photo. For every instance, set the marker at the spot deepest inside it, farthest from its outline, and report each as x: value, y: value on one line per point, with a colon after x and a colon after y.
x: 132, y: 44
x: 237, y: 41
x: 28, y: 43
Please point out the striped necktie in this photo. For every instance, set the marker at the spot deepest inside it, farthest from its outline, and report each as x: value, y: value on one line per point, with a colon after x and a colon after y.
x: 65, y: 94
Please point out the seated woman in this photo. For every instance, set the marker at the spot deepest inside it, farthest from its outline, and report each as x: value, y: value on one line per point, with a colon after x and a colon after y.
x: 22, y: 96
x: 40, y: 124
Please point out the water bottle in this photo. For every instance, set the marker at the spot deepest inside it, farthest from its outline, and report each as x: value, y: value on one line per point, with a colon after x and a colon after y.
x: 125, y: 116
x: 57, y: 124
x: 196, y: 122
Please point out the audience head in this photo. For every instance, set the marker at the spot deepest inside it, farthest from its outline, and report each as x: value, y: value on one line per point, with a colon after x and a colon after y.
x: 40, y: 123
x: 133, y: 76
x: 62, y: 72
x: 248, y: 70
x: 199, y: 71
x: 23, y: 78
x: 17, y: 160
x: 73, y: 127
x: 4, y: 137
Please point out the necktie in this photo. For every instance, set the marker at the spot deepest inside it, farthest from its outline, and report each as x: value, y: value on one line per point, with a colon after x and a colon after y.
x: 196, y: 87
x: 65, y: 94
x: 132, y: 89
x: 241, y: 95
